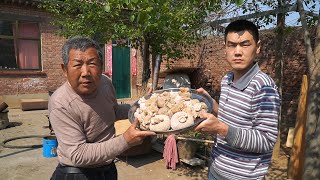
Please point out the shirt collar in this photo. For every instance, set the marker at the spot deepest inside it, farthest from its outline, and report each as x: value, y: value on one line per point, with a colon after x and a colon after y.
x: 244, y: 81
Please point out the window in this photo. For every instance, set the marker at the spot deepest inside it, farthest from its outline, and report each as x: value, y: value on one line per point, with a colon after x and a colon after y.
x: 19, y: 45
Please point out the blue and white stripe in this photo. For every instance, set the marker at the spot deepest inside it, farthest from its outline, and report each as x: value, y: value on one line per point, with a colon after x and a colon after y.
x: 252, y: 114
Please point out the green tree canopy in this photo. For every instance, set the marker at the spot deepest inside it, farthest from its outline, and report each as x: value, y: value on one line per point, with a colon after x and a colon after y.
x: 156, y: 26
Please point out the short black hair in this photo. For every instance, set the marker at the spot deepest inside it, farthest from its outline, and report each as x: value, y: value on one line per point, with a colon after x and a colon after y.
x: 80, y: 43
x: 242, y: 25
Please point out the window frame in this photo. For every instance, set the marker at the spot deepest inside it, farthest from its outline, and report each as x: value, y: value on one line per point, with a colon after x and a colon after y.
x: 16, y: 20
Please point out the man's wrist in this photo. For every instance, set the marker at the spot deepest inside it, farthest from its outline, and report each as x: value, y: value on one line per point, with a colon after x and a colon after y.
x: 223, y: 129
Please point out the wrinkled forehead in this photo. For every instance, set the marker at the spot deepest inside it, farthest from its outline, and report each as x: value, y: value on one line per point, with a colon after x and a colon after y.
x: 88, y: 54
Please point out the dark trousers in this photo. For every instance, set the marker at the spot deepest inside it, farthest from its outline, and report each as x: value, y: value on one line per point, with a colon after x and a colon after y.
x: 72, y: 173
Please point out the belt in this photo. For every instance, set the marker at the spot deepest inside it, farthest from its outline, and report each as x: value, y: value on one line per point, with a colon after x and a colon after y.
x: 81, y: 170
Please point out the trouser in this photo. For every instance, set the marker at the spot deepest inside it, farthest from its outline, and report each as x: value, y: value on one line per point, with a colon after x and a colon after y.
x: 108, y: 172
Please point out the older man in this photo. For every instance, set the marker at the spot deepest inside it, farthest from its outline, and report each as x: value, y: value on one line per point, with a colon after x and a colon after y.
x: 82, y: 113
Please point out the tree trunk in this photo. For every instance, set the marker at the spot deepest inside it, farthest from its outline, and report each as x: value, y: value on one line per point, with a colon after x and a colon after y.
x: 146, y: 63
x: 153, y: 64
x: 156, y: 70
x: 312, y: 153
x: 278, y: 72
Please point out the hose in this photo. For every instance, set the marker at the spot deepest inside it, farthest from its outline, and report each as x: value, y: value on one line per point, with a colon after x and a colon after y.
x: 22, y: 137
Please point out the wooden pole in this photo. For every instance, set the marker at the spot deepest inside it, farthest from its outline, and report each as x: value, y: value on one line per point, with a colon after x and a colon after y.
x: 192, y: 139
x: 296, y: 163
x: 196, y: 140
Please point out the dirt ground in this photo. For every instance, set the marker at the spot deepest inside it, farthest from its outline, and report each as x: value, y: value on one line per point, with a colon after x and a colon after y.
x: 29, y: 163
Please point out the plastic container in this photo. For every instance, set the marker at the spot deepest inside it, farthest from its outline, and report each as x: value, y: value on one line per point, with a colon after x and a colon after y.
x: 50, y: 145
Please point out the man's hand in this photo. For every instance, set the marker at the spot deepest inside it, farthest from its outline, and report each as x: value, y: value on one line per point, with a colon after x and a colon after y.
x: 134, y: 136
x: 149, y: 91
x: 212, y: 125
x: 201, y: 90
x: 215, y: 105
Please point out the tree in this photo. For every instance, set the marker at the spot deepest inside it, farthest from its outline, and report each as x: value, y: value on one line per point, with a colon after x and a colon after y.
x: 312, y: 153
x: 156, y: 27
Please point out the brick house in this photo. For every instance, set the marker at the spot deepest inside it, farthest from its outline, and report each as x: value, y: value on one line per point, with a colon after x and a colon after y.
x: 30, y: 55
x: 205, y: 69
x: 41, y: 48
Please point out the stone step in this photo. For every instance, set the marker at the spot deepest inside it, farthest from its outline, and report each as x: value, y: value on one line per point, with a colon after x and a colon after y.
x: 33, y: 104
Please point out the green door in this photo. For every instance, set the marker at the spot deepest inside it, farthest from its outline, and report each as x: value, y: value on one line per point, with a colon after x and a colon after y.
x: 121, y: 71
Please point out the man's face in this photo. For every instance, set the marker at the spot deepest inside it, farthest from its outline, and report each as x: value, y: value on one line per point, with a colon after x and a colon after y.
x: 241, y: 50
x: 83, y: 70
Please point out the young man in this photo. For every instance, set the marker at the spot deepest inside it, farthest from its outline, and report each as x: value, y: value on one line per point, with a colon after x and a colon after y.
x: 246, y: 125
x: 82, y: 113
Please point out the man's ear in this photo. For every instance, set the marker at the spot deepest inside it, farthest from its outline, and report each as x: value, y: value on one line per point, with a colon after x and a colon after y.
x: 258, y: 47
x: 64, y: 69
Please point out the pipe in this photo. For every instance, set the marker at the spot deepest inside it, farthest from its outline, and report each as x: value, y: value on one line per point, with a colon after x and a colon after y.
x: 191, y: 139
x: 22, y: 137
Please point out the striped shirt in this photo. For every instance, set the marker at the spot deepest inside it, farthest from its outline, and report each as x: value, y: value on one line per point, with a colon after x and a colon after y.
x: 250, y: 107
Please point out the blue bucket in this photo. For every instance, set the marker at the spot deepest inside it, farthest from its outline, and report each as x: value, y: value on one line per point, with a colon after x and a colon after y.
x: 50, y: 145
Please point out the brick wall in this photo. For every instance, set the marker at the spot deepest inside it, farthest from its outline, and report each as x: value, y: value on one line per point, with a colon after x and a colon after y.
x: 33, y: 82
x: 295, y: 66
x: 51, y: 56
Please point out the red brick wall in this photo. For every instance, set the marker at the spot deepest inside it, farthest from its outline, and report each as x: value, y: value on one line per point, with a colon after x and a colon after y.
x: 51, y: 55
x: 294, y: 67
x: 51, y: 75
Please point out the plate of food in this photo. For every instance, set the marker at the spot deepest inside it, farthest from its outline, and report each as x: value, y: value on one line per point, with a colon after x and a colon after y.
x: 170, y: 111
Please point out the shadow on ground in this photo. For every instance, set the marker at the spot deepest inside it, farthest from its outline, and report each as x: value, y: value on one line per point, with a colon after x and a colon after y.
x: 194, y: 172
x: 141, y: 160
x: 17, y: 152
x: 183, y: 170
x: 14, y: 124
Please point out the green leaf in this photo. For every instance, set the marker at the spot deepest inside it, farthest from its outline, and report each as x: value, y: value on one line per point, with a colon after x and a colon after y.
x: 142, y: 16
x: 107, y: 8
x: 126, y: 2
x: 132, y: 18
x: 149, y: 9
x: 238, y: 2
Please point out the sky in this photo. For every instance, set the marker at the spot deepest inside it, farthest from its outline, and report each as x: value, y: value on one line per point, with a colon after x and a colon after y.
x: 291, y: 19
